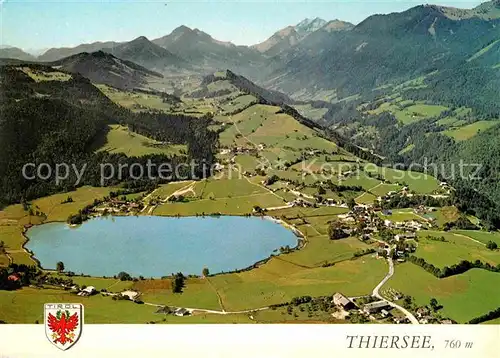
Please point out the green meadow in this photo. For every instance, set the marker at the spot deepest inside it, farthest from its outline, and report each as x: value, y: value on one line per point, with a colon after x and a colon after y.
x: 279, y: 281
x: 455, y: 249
x: 463, y: 297
x: 120, y: 139
x: 470, y: 130
x: 482, y: 236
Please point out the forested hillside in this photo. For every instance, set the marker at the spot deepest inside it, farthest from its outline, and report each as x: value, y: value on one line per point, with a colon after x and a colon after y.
x: 58, y: 121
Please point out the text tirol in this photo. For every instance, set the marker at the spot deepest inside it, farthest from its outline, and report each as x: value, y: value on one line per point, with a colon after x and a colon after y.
x: 394, y: 342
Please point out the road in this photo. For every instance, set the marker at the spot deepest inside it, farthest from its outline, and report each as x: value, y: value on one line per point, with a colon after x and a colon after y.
x: 376, y: 293
x: 212, y: 311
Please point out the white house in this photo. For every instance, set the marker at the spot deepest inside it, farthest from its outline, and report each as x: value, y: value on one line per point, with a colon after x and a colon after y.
x: 87, y: 291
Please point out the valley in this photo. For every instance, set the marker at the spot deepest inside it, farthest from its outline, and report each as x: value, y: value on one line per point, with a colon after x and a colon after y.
x: 335, y: 158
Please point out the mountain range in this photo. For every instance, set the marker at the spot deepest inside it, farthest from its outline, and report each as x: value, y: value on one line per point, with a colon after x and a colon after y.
x: 427, y: 55
x: 318, y: 54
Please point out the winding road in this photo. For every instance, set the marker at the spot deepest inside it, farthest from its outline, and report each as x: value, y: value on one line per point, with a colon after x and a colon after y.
x: 376, y: 293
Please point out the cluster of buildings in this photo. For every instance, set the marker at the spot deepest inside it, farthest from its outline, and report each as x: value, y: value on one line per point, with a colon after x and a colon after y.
x: 87, y: 291
x: 176, y: 311
x: 116, y: 206
x: 380, y: 309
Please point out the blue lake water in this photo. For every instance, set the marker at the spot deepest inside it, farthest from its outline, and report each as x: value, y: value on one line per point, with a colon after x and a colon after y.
x: 154, y: 246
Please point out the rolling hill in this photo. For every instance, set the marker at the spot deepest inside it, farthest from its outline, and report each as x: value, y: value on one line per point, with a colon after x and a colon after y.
x: 16, y: 53
x: 55, y: 54
x: 209, y: 54
x: 101, y: 67
x: 147, y: 54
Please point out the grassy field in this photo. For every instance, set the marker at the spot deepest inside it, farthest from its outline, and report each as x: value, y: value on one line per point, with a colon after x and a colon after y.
x: 320, y: 250
x: 239, y: 103
x: 279, y: 281
x: 50, y: 208
x: 309, y: 111
x: 455, y: 249
x: 141, y: 102
x: 227, y: 188
x: 419, y: 182
x: 26, y: 306
x: 464, y: 296
x: 360, y: 178
x: 482, y: 236
x: 55, y: 210
x: 400, y: 215
x: 418, y: 112
x: 110, y: 284
x: 366, y: 198
x: 120, y: 139
x: 40, y: 76
x: 227, y: 206
x: 446, y: 214
x: 197, y: 293
x: 483, y: 51
x: 261, y: 124
x: 165, y: 190
x: 225, y: 196
x: 493, y: 321
x: 299, y: 314
x: 406, y: 113
x: 470, y: 130
x: 384, y: 189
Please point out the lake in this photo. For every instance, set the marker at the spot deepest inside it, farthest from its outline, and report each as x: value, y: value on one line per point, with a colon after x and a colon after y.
x: 154, y: 246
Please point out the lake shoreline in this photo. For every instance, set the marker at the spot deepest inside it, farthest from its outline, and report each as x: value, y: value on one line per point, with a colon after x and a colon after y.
x: 300, y: 243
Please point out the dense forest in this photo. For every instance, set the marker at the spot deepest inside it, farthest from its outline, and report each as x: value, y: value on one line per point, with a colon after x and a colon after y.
x: 57, y: 122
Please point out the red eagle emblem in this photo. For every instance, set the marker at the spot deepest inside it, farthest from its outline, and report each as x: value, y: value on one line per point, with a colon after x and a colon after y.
x: 63, y: 326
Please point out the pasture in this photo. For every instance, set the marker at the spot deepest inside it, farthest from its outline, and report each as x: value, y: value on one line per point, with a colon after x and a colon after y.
x: 50, y: 208
x: 279, y: 281
x: 470, y: 130
x: 482, y: 236
x: 41, y: 76
x: 26, y: 306
x: 455, y: 249
x: 120, y: 139
x: 197, y: 293
x: 421, y: 183
x: 463, y: 296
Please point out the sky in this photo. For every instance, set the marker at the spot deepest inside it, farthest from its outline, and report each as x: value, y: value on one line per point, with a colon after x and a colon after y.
x: 41, y: 24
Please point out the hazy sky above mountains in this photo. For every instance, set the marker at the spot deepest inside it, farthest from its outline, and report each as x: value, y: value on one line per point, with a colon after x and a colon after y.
x: 37, y: 24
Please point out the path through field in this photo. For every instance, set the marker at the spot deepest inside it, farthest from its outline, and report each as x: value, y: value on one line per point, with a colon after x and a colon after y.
x: 376, y: 293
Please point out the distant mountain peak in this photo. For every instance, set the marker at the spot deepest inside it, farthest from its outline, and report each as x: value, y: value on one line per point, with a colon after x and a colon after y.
x: 287, y: 31
x: 310, y: 25
x: 292, y: 35
x: 337, y: 25
x: 487, y: 11
x: 182, y: 28
x: 140, y: 39
x: 15, y: 53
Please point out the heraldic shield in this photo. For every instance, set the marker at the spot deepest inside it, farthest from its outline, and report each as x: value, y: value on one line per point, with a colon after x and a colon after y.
x: 63, y: 323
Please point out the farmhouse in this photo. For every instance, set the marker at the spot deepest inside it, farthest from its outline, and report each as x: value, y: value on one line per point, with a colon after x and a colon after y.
x: 164, y: 310
x: 87, y: 291
x: 14, y: 277
x: 342, y: 301
x: 181, y: 312
x: 385, y: 313
x: 405, y: 236
x: 375, y: 306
